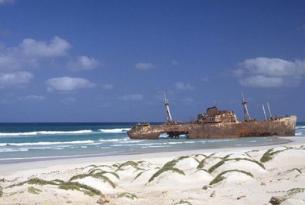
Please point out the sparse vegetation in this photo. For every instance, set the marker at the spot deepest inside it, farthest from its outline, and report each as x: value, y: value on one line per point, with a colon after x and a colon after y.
x: 183, y: 202
x: 100, y: 171
x: 169, y: 166
x: 221, y: 177
x: 79, y: 187
x: 220, y: 163
x: 202, y: 162
x: 134, y: 164
x: 268, y: 155
x: 36, y: 181
x: 97, y: 175
x: 295, y: 169
x: 33, y: 190
x: 127, y: 195
x: 294, y: 191
x: 61, y: 184
x: 138, y: 175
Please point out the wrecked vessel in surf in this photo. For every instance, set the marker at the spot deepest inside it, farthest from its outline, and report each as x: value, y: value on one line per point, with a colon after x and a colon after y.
x: 215, y: 123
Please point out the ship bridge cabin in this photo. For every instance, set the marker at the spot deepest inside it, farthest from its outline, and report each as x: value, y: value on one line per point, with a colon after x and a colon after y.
x: 213, y: 115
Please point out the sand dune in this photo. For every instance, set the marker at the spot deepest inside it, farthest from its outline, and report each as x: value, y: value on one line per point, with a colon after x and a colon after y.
x: 231, y: 177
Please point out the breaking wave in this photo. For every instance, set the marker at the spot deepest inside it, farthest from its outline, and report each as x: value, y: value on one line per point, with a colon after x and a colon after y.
x: 300, y: 130
x: 46, y: 143
x: 45, y: 133
x: 115, y: 130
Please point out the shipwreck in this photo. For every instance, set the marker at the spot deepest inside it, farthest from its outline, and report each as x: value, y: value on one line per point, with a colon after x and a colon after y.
x: 215, y: 123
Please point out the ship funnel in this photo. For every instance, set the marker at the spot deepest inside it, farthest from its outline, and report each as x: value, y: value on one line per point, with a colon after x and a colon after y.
x: 168, y: 114
x: 245, y: 108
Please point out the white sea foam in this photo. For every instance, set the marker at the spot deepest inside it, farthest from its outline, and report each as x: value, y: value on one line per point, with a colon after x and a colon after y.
x: 115, y: 130
x: 114, y: 140
x: 46, y: 143
x: 14, y: 150
x: 45, y: 133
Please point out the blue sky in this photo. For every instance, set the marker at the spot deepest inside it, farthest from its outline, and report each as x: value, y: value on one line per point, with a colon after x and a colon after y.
x: 112, y: 60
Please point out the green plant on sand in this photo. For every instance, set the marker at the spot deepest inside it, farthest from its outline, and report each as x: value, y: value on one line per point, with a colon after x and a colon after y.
x: 221, y: 177
x: 127, y: 195
x: 80, y: 187
x: 224, y: 160
x: 183, y: 202
x: 100, y: 175
x: 62, y: 185
x: 202, y: 162
x: 169, y: 166
x: 134, y: 164
x: 268, y: 155
x: 33, y: 190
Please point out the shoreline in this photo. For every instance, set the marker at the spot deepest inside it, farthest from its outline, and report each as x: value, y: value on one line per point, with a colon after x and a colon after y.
x: 8, y: 168
x: 240, y: 175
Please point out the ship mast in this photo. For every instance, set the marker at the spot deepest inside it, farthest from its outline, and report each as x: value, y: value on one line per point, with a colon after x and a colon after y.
x: 169, y: 117
x: 264, y: 112
x: 269, y: 110
x: 245, y: 109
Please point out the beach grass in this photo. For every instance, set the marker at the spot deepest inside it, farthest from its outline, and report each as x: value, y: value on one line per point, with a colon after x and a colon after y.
x: 100, y: 171
x: 169, y: 166
x: 181, y: 202
x: 269, y: 154
x: 96, y: 175
x: 80, y: 187
x: 202, y: 162
x: 33, y: 190
x: 294, y: 191
x: 221, y: 177
x: 127, y: 195
x: 134, y: 164
x: 223, y: 161
x: 61, y: 184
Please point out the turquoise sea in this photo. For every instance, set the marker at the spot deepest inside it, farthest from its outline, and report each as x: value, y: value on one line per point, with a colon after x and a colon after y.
x: 21, y: 142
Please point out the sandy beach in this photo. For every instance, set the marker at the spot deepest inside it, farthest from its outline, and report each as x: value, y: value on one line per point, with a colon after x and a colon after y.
x: 249, y: 175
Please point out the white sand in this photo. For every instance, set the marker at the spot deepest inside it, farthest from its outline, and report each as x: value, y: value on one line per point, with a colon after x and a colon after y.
x: 213, y: 176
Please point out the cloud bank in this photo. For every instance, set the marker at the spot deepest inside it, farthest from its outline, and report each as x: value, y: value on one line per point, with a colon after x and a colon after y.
x: 270, y: 72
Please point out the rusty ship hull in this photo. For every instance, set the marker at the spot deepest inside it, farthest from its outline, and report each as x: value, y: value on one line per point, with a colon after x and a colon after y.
x: 283, y: 126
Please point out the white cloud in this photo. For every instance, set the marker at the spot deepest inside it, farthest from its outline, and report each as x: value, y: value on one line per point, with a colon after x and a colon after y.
x: 183, y: 86
x: 270, y: 72
x: 30, y: 52
x: 132, y: 97
x: 84, y: 63
x: 144, y: 66
x: 15, y: 78
x: 262, y: 81
x: 66, y: 84
x: 54, y: 48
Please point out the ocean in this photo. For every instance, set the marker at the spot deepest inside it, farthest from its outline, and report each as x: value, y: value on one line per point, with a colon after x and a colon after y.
x: 21, y: 142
